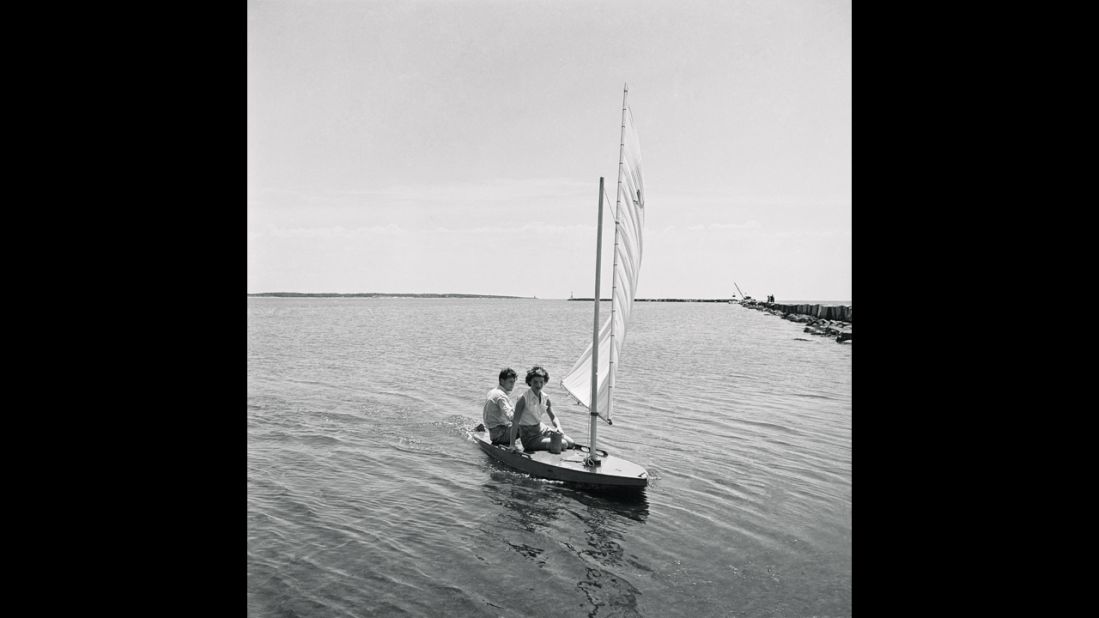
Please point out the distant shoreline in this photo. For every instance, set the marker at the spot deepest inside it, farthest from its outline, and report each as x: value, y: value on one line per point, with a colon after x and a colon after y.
x: 387, y: 295
x: 497, y: 296
x: 661, y: 300
x: 373, y: 295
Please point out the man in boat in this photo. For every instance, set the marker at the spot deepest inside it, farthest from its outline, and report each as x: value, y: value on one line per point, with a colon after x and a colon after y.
x: 498, y: 411
x: 529, y: 411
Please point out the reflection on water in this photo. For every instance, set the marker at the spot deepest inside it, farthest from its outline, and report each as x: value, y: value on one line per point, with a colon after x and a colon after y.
x: 597, y: 527
x: 605, y: 547
x: 630, y: 504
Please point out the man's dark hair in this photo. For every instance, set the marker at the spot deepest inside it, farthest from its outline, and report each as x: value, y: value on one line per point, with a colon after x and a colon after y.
x: 507, y: 373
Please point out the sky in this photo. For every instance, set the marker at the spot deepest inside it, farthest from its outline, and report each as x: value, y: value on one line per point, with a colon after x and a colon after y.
x: 430, y: 146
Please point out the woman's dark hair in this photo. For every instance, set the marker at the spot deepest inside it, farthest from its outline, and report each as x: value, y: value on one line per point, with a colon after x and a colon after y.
x: 537, y: 371
x: 507, y: 373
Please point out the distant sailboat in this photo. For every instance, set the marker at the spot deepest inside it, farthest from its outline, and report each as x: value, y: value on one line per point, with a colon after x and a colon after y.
x: 592, y: 378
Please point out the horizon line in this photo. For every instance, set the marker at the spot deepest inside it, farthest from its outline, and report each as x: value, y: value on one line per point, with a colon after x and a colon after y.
x: 510, y: 296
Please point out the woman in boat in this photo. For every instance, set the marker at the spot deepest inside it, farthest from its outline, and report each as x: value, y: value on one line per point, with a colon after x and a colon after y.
x: 498, y: 411
x: 529, y: 411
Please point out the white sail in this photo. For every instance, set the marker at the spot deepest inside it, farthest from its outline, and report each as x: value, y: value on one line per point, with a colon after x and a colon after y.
x: 630, y: 218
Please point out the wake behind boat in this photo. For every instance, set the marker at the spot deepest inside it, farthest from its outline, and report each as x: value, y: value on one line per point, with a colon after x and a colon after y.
x: 592, y: 378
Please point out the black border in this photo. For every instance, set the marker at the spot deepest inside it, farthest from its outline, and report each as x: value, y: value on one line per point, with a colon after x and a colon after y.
x: 168, y: 471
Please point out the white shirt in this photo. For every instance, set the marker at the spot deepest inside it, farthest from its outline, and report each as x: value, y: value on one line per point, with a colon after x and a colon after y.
x: 498, y: 409
x: 535, y: 408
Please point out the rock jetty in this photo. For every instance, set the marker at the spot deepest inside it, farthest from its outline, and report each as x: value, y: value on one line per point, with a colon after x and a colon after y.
x: 824, y: 320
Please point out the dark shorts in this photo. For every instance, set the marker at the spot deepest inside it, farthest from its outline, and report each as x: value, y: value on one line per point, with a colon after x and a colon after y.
x: 500, y: 434
x: 535, y: 437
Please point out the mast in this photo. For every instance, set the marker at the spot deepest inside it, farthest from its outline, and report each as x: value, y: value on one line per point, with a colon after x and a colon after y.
x: 614, y: 270
x: 593, y: 458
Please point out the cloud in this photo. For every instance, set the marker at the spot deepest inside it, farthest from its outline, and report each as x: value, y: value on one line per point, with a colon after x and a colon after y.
x: 327, y: 232
x: 412, y: 234
x: 496, y: 190
x: 816, y: 233
x: 452, y: 195
x: 710, y: 227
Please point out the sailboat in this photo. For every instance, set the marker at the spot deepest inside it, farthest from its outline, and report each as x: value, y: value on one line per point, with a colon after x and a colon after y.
x: 591, y: 381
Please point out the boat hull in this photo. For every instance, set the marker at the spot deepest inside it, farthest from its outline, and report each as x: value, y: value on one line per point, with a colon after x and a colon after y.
x: 568, y: 465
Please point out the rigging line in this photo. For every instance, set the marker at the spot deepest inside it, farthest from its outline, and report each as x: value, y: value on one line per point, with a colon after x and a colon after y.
x: 633, y: 130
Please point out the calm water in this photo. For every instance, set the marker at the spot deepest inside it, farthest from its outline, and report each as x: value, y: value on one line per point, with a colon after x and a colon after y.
x: 367, y: 497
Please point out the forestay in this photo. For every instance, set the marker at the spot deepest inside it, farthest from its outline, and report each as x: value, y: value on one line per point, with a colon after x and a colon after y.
x: 630, y: 219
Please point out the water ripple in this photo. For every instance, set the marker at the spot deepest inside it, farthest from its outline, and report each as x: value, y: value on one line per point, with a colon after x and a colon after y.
x: 367, y: 496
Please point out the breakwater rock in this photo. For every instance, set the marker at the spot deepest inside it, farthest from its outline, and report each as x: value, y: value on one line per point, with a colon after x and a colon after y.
x: 823, y: 320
